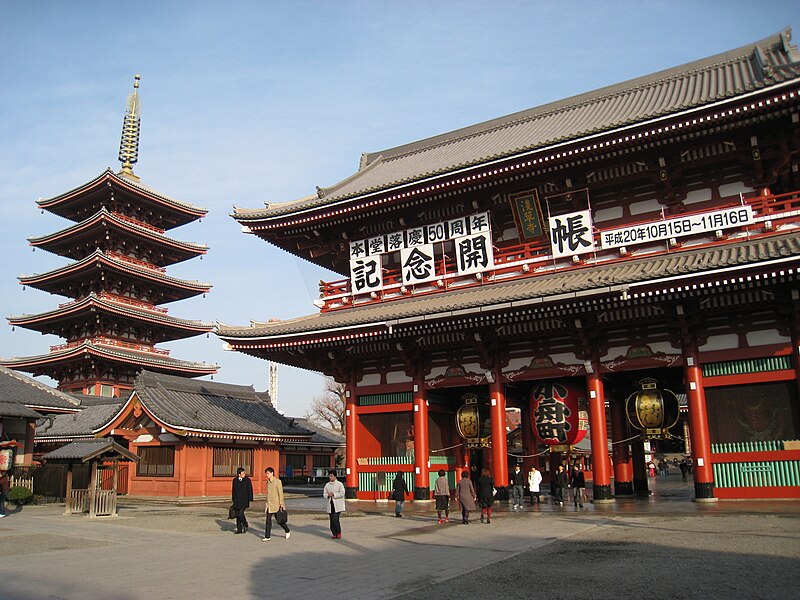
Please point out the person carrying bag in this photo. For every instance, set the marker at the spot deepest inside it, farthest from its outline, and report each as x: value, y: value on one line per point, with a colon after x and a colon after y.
x: 275, y: 505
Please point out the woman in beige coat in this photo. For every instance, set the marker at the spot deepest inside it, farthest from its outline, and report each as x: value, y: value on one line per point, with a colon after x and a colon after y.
x: 274, y: 503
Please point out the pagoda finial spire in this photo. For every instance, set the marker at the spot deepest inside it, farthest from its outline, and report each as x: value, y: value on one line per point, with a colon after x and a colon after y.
x: 129, y: 146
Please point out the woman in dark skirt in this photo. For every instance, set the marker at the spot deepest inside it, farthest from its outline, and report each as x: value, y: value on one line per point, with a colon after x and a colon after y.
x: 485, y: 495
x: 441, y: 491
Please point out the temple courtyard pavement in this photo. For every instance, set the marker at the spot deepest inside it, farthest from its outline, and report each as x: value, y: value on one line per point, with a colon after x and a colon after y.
x: 663, y: 547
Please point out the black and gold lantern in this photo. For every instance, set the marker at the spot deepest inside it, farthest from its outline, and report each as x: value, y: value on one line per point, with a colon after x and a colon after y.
x: 651, y: 410
x: 470, y: 422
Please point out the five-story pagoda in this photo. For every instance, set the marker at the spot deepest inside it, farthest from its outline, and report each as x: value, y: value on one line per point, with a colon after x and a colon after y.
x: 117, y: 281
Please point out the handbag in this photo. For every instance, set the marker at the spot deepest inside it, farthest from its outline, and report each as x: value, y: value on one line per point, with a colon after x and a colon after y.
x: 231, y: 512
x: 281, y: 516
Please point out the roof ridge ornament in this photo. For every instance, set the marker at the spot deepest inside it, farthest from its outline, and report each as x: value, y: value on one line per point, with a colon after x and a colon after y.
x: 129, y: 145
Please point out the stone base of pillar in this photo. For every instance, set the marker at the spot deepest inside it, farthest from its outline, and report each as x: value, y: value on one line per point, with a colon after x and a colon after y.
x: 641, y: 488
x: 351, y: 493
x: 623, y: 488
x: 601, y: 493
x: 704, y: 492
x: 422, y: 493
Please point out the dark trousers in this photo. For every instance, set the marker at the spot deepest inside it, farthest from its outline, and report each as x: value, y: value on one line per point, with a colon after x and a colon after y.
x: 336, y: 528
x: 241, y: 520
x: 268, y: 526
x: 559, y: 493
x: 535, y: 498
x: 2, y: 503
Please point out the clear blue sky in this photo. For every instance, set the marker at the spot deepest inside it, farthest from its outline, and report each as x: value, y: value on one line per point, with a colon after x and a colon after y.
x: 252, y: 102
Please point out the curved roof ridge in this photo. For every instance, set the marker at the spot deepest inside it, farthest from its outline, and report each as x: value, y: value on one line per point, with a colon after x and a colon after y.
x: 105, y: 213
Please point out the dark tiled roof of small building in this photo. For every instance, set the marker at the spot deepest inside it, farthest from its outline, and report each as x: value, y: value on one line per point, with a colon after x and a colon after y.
x: 566, y: 286
x: 20, y: 389
x: 322, y: 435
x: 213, y: 407
x: 756, y: 66
x: 84, y: 450
x: 81, y: 424
x: 20, y: 411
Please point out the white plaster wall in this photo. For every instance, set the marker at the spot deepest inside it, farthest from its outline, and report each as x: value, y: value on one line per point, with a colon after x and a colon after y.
x: 764, y: 338
x: 606, y: 214
x: 371, y: 379
x: 652, y: 205
x: 734, y: 188
x: 721, y: 342
x: 397, y: 377
x: 696, y: 196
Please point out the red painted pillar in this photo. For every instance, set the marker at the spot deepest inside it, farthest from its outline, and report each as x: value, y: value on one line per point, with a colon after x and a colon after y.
x: 422, y: 490
x: 623, y: 469
x: 497, y: 410
x: 601, y: 473
x: 698, y: 427
x: 351, y: 449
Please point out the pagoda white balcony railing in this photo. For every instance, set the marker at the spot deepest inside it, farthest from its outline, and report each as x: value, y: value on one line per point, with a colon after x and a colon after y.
x: 107, y: 341
x: 120, y: 300
x: 772, y: 214
x: 135, y: 261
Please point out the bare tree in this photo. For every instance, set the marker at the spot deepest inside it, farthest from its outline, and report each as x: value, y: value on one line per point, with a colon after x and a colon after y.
x: 329, y: 409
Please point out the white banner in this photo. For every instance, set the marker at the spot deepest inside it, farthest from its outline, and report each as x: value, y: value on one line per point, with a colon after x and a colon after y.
x: 366, y: 274
x: 571, y: 234
x: 677, y: 227
x: 474, y: 253
x: 417, y: 264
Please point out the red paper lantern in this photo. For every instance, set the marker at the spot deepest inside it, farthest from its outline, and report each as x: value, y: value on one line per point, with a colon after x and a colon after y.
x: 557, y: 412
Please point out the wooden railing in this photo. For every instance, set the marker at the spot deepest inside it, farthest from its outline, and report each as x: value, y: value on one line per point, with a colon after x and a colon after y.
x: 532, y: 259
x: 105, y: 503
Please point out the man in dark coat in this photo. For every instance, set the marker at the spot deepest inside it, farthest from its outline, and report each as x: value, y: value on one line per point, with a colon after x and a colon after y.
x: 560, y: 483
x: 399, y: 492
x: 578, y: 483
x: 241, y: 496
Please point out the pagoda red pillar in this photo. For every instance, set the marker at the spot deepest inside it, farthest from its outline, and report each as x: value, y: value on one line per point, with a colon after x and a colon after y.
x: 497, y: 410
x: 351, y: 449
x: 623, y: 470
x: 422, y: 490
x: 698, y: 426
x: 601, y: 473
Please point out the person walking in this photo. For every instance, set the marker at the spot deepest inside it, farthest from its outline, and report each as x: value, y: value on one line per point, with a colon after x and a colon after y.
x: 578, y: 483
x: 560, y: 484
x: 334, y: 503
x: 5, y: 486
x: 399, y: 491
x: 518, y: 487
x: 534, y: 484
x: 485, y: 490
x: 465, y: 494
x: 241, y: 496
x: 275, y: 502
x: 441, y: 492
x: 684, y: 469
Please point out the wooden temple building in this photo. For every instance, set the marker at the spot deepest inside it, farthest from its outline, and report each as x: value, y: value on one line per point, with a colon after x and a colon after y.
x: 585, y: 261
x: 116, y: 282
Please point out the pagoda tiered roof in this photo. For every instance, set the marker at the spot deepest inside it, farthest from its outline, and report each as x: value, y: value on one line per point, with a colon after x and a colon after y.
x: 104, y: 230
x: 120, y: 193
x: 137, y: 314
x: 769, y: 64
x: 78, y: 279
x: 115, y: 352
